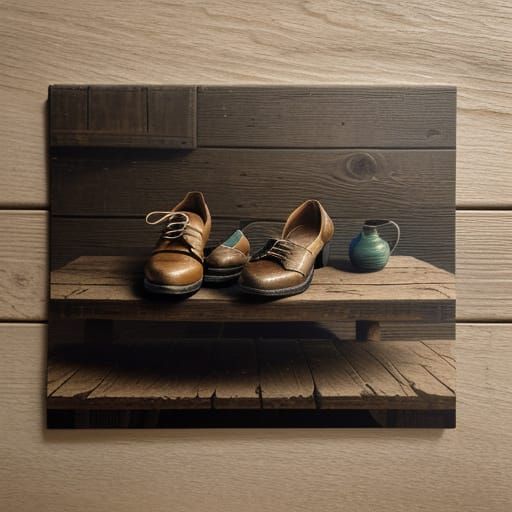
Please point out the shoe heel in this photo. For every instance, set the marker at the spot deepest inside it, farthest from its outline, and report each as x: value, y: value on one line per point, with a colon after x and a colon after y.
x: 323, y: 256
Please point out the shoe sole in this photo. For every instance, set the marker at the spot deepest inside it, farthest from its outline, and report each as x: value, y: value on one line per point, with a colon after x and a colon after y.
x: 222, y: 275
x: 168, y: 289
x: 281, y: 292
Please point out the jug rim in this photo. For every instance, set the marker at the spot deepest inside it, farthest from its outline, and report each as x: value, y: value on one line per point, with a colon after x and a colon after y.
x: 375, y: 223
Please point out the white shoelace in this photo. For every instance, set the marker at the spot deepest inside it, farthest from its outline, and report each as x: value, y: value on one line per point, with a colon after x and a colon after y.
x: 177, y: 223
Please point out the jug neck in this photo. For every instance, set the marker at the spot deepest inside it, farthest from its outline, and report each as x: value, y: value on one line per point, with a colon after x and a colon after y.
x: 370, y: 231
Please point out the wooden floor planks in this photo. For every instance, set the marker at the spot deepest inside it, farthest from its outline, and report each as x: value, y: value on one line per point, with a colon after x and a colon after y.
x: 252, y: 374
x: 337, y: 384
x: 285, y: 378
x: 235, y: 374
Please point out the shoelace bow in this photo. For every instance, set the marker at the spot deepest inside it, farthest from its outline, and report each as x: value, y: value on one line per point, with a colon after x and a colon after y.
x: 177, y: 224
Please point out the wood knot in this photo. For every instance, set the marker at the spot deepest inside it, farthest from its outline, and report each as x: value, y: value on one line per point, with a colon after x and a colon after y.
x: 361, y: 166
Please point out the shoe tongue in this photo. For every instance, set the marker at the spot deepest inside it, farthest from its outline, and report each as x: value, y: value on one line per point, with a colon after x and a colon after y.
x: 195, y: 221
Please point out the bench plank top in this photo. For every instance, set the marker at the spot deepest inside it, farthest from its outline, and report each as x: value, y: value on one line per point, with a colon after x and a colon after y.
x: 408, y: 289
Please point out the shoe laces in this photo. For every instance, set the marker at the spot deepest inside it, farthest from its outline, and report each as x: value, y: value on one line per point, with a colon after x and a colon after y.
x: 176, y: 223
x: 281, y: 249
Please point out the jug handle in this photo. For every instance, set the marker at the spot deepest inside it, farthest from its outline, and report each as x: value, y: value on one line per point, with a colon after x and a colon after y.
x: 397, y: 227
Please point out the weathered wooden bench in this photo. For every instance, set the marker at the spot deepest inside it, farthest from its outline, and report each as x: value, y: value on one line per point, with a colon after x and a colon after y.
x: 246, y: 373
x: 110, y: 287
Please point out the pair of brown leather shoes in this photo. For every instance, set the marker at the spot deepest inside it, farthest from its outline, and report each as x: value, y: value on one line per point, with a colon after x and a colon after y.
x: 283, y: 267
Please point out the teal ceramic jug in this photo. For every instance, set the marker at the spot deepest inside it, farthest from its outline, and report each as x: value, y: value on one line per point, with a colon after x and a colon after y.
x: 368, y: 251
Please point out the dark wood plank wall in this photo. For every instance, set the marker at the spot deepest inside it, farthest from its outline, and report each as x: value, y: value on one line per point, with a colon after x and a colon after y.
x: 330, y: 116
x: 127, y: 116
x: 400, y: 163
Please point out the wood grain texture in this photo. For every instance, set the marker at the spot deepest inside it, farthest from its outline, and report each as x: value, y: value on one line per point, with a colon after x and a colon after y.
x: 123, y: 116
x: 23, y: 265
x: 337, y: 382
x: 254, y: 184
x: 234, y: 372
x: 47, y: 470
x: 240, y: 374
x: 484, y: 271
x: 111, y: 287
x: 285, y: 377
x: 425, y: 235
x: 93, y: 183
x: 287, y: 116
x: 467, y: 44
x: 165, y: 376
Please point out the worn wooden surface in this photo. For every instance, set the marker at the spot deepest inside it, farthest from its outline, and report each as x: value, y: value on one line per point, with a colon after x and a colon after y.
x: 464, y: 43
x: 407, y: 289
x: 285, y: 376
x: 123, y: 116
x: 280, y: 116
x: 246, y: 373
x: 89, y: 182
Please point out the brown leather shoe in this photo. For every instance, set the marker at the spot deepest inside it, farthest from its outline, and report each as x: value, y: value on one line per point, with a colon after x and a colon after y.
x: 176, y: 264
x: 285, y: 266
x: 226, y: 262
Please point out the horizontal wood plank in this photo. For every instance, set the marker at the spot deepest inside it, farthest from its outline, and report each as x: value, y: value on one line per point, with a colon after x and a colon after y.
x: 254, y: 184
x: 426, y: 235
x: 94, y: 185
x: 326, y: 116
x: 101, y: 287
x: 484, y: 259
x: 23, y: 265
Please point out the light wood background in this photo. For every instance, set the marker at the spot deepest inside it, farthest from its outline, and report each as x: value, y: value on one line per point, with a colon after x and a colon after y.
x: 467, y: 43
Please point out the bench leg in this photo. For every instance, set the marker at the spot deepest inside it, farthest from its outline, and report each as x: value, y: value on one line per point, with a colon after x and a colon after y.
x: 367, y: 330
